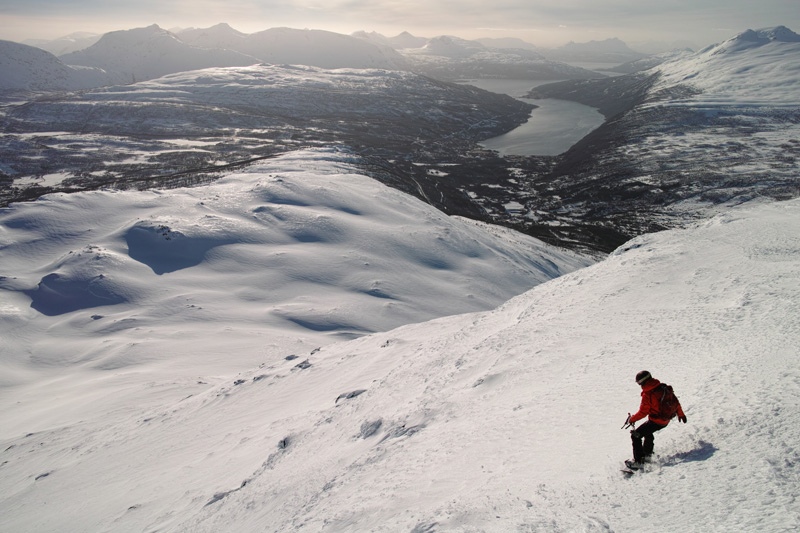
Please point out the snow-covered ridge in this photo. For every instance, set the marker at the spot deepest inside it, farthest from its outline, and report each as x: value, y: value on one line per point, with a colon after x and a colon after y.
x: 755, y: 68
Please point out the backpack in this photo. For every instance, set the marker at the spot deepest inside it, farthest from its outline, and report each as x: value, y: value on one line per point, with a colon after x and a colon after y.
x: 667, y: 406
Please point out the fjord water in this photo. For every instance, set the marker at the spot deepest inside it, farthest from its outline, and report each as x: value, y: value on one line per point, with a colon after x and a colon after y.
x: 553, y: 127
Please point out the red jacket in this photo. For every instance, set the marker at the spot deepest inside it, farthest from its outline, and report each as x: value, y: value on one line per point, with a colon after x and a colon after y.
x: 650, y: 401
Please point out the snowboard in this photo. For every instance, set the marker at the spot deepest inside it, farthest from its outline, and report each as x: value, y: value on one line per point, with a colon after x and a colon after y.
x: 630, y: 468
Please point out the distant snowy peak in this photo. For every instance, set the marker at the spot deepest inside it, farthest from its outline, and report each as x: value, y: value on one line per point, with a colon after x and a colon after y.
x: 452, y: 58
x: 606, y: 51
x: 64, y: 45
x: 453, y: 47
x: 608, y: 45
x: 755, y: 38
x: 779, y: 33
x: 398, y: 42
x: 319, y: 48
x: 507, y: 43
x: 406, y: 40
x: 755, y: 68
x: 152, y: 52
x: 27, y: 68
x: 219, y: 36
x: 372, y: 36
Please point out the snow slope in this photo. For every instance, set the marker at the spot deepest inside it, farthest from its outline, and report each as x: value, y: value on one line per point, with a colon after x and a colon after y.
x: 292, y: 253
x: 27, y: 68
x: 504, y: 420
x: 147, y: 53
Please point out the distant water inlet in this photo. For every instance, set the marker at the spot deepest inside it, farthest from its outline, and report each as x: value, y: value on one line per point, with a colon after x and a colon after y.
x: 553, y: 127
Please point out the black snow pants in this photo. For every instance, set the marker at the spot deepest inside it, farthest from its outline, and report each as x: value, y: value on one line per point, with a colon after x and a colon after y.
x: 642, y: 438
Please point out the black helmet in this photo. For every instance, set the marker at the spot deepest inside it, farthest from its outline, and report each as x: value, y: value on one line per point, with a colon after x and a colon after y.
x: 642, y: 377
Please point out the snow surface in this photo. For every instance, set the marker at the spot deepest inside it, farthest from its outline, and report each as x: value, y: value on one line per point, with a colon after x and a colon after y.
x: 181, y: 408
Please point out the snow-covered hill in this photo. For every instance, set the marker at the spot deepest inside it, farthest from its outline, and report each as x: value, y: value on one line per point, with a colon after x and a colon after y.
x: 29, y: 69
x: 291, y: 46
x: 146, y: 53
x: 299, y: 249
x: 503, y: 420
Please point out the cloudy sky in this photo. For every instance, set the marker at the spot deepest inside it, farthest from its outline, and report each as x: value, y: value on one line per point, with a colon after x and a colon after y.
x: 541, y: 22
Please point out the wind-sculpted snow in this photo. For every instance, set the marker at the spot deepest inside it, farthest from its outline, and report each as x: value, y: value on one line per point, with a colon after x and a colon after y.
x: 80, y: 282
x: 300, y: 246
x: 503, y: 420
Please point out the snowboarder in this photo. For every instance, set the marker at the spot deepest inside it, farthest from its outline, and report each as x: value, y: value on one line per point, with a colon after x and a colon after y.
x: 660, y: 405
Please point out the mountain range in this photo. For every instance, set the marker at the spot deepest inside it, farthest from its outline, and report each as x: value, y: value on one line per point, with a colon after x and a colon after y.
x: 148, y: 53
x: 140, y: 54
x: 593, y: 196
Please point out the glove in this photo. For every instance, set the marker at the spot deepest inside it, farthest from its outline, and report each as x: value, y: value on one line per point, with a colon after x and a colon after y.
x: 682, y: 418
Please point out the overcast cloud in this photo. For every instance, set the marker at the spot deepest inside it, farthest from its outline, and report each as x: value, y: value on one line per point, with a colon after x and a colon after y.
x: 541, y: 22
